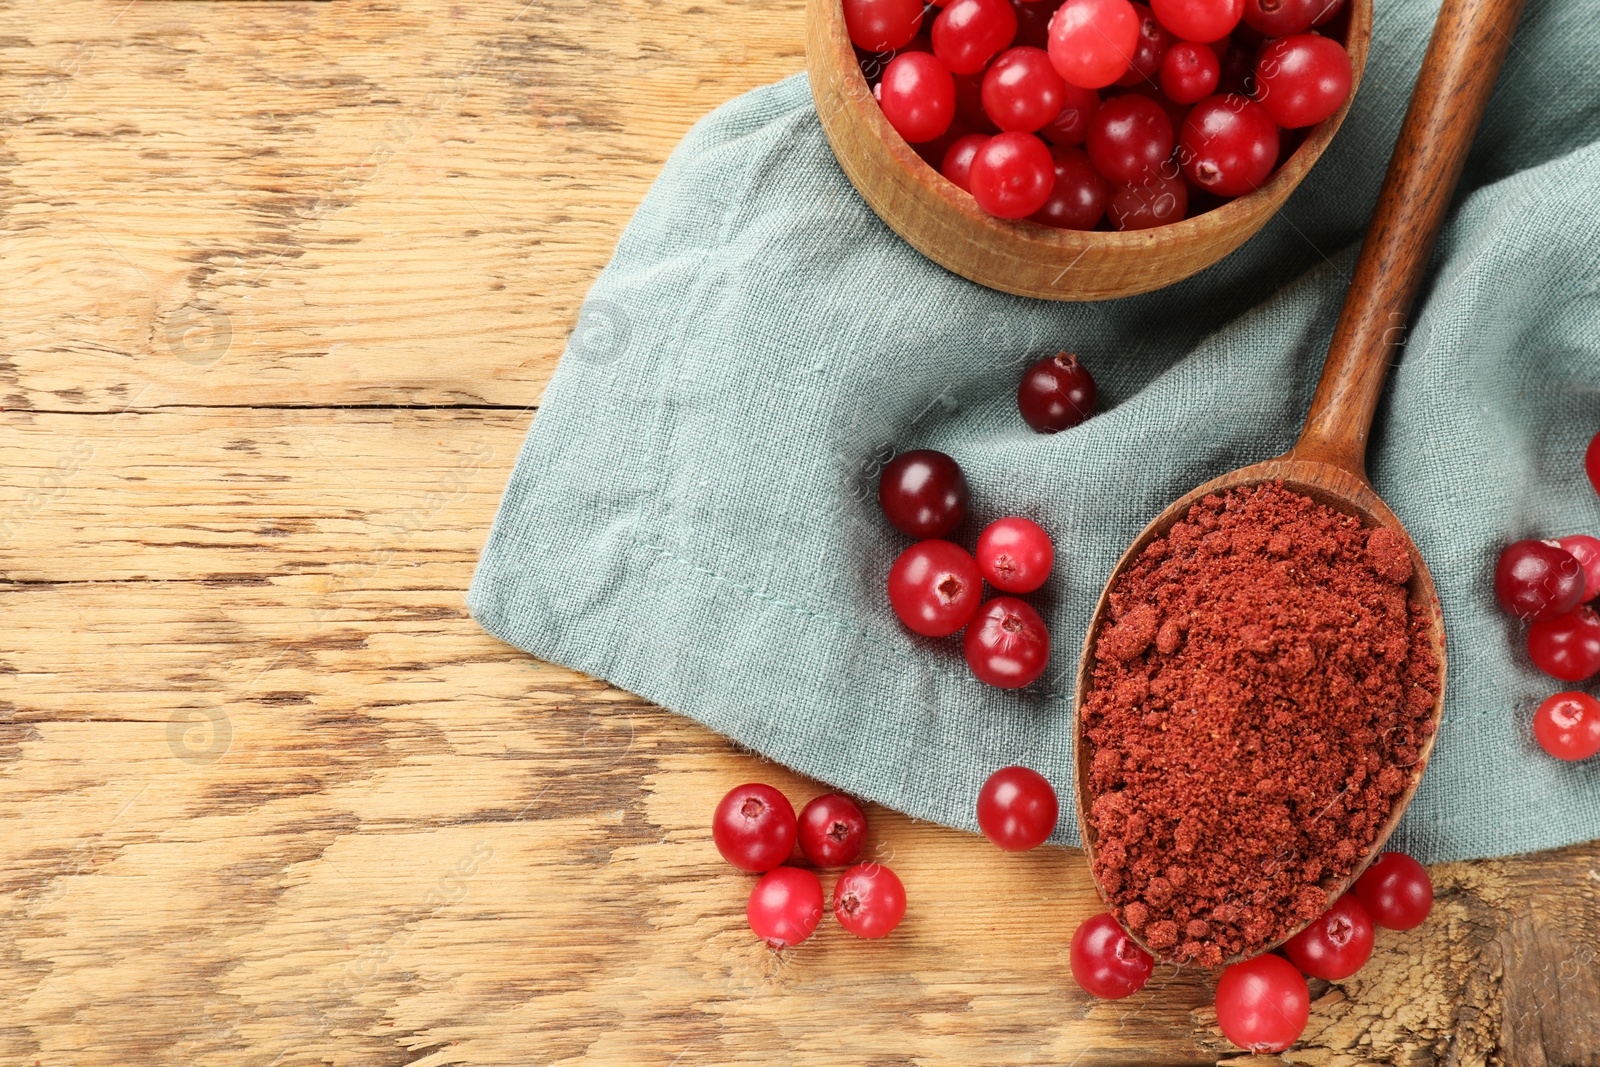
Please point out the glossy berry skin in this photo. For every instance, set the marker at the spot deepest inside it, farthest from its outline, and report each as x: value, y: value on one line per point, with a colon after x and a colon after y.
x: 1567, y: 647
x: 869, y: 900
x: 785, y: 907
x: 1017, y: 808
x: 923, y: 493
x: 1071, y: 124
x: 754, y: 827
x: 1013, y: 175
x: 935, y: 588
x: 1056, y: 393
x: 1229, y: 145
x: 1302, y: 80
x: 1586, y: 550
x: 1282, y: 18
x: 1567, y: 726
x: 957, y: 165
x: 882, y: 25
x: 917, y: 95
x: 1396, y: 891
x: 1022, y: 91
x: 1189, y: 72
x: 1538, y: 580
x: 1092, y: 41
x: 1337, y: 944
x: 1199, y: 20
x: 1155, y: 201
x: 1015, y: 554
x: 1263, y: 1004
x: 1079, y: 196
x: 1129, y: 138
x: 1006, y: 644
x: 833, y: 830
x: 1148, y: 49
x: 969, y: 33
x: 1591, y: 462
x: 1105, y: 961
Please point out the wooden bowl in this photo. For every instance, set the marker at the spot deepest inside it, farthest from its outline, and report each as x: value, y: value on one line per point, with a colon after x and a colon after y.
x: 1016, y: 256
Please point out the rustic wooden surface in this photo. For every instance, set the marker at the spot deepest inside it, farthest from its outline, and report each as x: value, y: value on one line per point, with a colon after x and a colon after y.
x: 282, y: 283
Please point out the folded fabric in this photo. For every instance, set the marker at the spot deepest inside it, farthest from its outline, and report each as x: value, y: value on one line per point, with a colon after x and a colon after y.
x: 693, y: 514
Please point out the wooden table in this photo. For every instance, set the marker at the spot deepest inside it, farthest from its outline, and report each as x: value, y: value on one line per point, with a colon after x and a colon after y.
x: 282, y: 285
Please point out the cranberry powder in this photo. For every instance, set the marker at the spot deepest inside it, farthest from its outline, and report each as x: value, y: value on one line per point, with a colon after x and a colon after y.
x: 1262, y: 686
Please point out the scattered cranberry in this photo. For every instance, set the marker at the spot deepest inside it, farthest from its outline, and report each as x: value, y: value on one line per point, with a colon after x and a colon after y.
x: 957, y: 165
x: 1071, y: 124
x: 1567, y: 726
x: 1229, y: 145
x: 1337, y: 945
x: 918, y: 96
x: 1056, y: 393
x: 1079, y: 196
x: 1106, y: 962
x: 1396, y: 891
x: 1155, y: 201
x: 1263, y: 1004
x: 1282, y: 18
x: 785, y: 907
x: 1006, y: 644
x: 1152, y: 43
x: 1022, y: 91
x: 882, y: 25
x: 833, y: 830
x: 935, y: 588
x: 1092, y: 41
x: 1302, y: 80
x: 1017, y: 809
x: 968, y: 33
x: 1591, y: 462
x: 923, y: 493
x: 1199, y: 20
x: 1586, y: 550
x: 1568, y: 647
x: 754, y: 827
x: 869, y: 900
x: 1189, y: 72
x: 1538, y: 580
x: 1015, y: 554
x: 1129, y: 138
x: 1013, y: 174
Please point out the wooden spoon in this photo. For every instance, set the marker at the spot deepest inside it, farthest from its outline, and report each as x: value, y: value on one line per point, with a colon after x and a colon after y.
x: 1328, y: 462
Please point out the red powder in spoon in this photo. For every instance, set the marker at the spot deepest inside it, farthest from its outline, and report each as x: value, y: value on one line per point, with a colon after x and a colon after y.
x: 1262, y: 687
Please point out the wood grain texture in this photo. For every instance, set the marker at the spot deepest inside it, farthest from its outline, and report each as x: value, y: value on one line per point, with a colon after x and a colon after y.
x: 267, y: 795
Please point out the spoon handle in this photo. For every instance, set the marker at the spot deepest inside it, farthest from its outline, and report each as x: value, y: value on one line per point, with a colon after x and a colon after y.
x: 1458, y: 75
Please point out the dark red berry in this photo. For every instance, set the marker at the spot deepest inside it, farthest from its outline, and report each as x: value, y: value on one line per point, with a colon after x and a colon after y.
x: 1056, y: 393
x: 1079, y: 196
x: 1586, y: 550
x: 923, y: 493
x: 1337, y: 944
x: 1229, y: 145
x: 785, y: 906
x: 1190, y: 72
x: 1282, y: 18
x: 869, y: 900
x: 754, y: 827
x: 957, y: 165
x: 1567, y: 647
x: 1396, y: 891
x: 1567, y: 726
x: 833, y: 830
x: 1538, y: 580
x: 1017, y: 808
x: 1106, y: 962
x: 1033, y: 21
x: 1148, y: 49
x: 1129, y: 138
x: 1071, y: 124
x: 1155, y: 201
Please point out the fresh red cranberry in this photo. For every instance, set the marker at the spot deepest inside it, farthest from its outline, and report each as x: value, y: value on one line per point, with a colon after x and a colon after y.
x: 1337, y: 945
x: 1302, y: 80
x: 957, y: 165
x: 1567, y: 726
x: 1006, y: 644
x: 754, y: 827
x: 882, y: 25
x: 1155, y: 201
x: 1229, y: 145
x: 1017, y: 808
x: 1591, y: 462
x: 1033, y: 21
x: 923, y: 493
x: 1567, y: 647
x: 1092, y: 41
x: 1396, y: 891
x: 1282, y: 18
x: 1189, y: 72
x: 1263, y: 1004
x: 1013, y: 175
x: 1015, y: 554
x: 969, y: 33
x: 918, y: 96
x: 1071, y: 124
x: 1078, y: 197
x: 1021, y: 90
x: 833, y: 830
x: 1056, y: 393
x: 935, y: 588
x: 1237, y: 74
x: 785, y: 907
x: 869, y: 900
x: 1105, y: 961
x: 1129, y: 138
x: 1538, y: 580
x: 1199, y: 20
x: 1148, y: 49
x: 1586, y: 550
